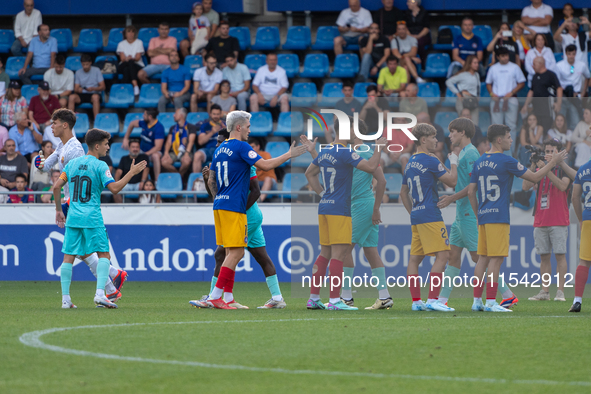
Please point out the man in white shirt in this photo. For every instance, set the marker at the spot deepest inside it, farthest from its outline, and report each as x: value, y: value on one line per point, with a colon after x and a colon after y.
x: 206, y: 82
x: 574, y: 37
x: 574, y: 77
x: 269, y: 86
x: 60, y: 80
x: 538, y: 17
x: 503, y: 81
x: 25, y: 27
x: 239, y: 77
x: 353, y: 22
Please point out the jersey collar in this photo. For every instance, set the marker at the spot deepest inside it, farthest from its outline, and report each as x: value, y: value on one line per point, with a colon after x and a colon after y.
x: 153, y: 124
x: 468, y: 37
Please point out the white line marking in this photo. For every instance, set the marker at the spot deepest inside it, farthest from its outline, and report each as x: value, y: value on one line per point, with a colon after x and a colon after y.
x: 33, y: 339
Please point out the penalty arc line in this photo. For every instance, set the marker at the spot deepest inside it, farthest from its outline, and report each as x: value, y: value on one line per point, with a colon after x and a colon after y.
x: 33, y: 339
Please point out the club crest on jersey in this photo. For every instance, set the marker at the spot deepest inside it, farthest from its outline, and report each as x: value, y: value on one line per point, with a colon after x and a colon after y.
x: 440, y: 167
x: 62, y: 159
x: 354, y: 156
x: 108, y: 174
x: 252, y: 154
x: 520, y: 166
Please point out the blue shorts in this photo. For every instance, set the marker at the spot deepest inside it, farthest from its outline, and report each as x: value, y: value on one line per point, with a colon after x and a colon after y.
x: 208, y: 153
x: 464, y: 234
x: 83, y: 241
x: 352, y: 40
x: 365, y: 233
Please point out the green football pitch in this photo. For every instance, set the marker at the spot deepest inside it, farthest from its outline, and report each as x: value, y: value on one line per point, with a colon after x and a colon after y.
x: 157, y: 343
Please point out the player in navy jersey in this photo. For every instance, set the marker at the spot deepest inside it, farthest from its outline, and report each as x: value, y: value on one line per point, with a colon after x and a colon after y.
x: 429, y: 234
x: 489, y: 193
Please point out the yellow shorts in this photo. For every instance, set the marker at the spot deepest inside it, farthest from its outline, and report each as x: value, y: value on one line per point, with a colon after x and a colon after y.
x: 335, y: 229
x: 231, y: 228
x: 585, y: 244
x: 493, y: 239
x: 428, y: 239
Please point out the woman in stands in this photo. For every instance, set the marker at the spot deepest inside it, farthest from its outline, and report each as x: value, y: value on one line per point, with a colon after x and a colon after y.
x: 12, y: 103
x: 561, y: 132
x: 130, y: 52
x: 504, y: 38
x: 582, y: 139
x: 199, y: 29
x: 540, y: 48
x: 466, y: 85
x: 522, y: 36
x: 149, y: 198
x: 567, y: 12
x: 531, y: 134
x: 417, y: 22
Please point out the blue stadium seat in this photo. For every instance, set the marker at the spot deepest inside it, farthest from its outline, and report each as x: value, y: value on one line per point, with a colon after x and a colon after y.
x: 6, y: 40
x: 443, y: 119
x: 90, y: 41
x: 73, y: 63
x: 450, y: 99
x: 64, y: 39
x: 131, y: 116
x: 290, y: 62
x: 192, y: 177
x: 149, y: 95
x: 146, y: 34
x: 116, y: 153
x: 267, y: 38
x: 85, y: 147
x: 484, y: 121
x: 346, y: 65
x: 13, y: 64
x: 243, y: 36
x: 261, y: 124
x: 167, y: 120
x: 288, y: 123
x: 484, y: 32
x: 169, y: 182
x: 254, y: 62
x: 484, y: 96
x: 277, y: 148
x: 436, y: 65
x: 193, y: 62
x: 393, y: 184
x: 82, y: 125
x: 304, y: 94
x: 108, y: 122
x: 197, y: 117
x: 120, y: 96
x: 331, y: 93
x: 318, y: 130
x: 298, y: 38
x: 455, y: 30
x: 180, y: 33
x: 293, y: 182
x: 107, y: 58
x: 315, y: 66
x: 325, y: 38
x: 29, y: 91
x: 115, y: 37
x: 558, y: 56
x: 360, y: 91
x: 430, y: 92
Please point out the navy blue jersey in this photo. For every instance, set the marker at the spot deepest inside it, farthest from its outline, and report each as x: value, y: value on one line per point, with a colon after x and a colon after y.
x: 467, y: 47
x: 583, y: 178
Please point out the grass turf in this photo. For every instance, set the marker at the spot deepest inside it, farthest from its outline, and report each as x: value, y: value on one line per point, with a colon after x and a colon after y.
x: 392, y: 349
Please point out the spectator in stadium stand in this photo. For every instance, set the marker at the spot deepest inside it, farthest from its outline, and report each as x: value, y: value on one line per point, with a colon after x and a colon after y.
x: 21, y: 186
x: 89, y: 84
x: 158, y: 51
x: 503, y: 81
x: 25, y: 27
x: 567, y: 12
x: 479, y: 140
x: 267, y: 179
x: 348, y: 104
x: 551, y: 221
x: 581, y: 138
x: 138, y: 181
x: 373, y: 109
x: 176, y: 147
x: 212, y: 16
x: 60, y: 80
x: 149, y: 186
x: 199, y: 32
x: 54, y: 176
x: 405, y: 47
x: 424, y: 117
x: 538, y: 17
x: 539, y: 49
x: 4, y: 80
x: 466, y: 86
x: 411, y: 103
x: 545, y: 87
x: 575, y: 37
x: 224, y: 100
x: 223, y: 45
x: 41, y: 108
x: 532, y: 133
x: 353, y: 23
x: 12, y: 103
x: 574, y: 78
x: 464, y: 45
x: 387, y: 16
x: 375, y: 49
x: 152, y: 137
x: 502, y: 40
x: 561, y: 132
x: 25, y: 135
x: 396, y: 154
x: 130, y: 52
x: 3, y: 138
x: 37, y: 177
x: 175, y: 84
x: 11, y: 163
x: 417, y: 21
x: 206, y: 82
x: 208, y: 137
x: 392, y: 79
x: 523, y: 37
x: 42, y: 51
x: 239, y: 77
x: 269, y: 86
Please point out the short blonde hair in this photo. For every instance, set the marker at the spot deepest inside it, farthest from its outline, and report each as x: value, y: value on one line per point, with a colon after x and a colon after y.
x: 423, y: 130
x: 235, y: 118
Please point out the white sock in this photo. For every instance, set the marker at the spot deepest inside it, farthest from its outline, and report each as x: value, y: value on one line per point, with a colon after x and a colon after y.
x: 110, y: 287
x: 100, y: 293
x: 490, y: 302
x: 334, y: 300
x: 216, y: 293
x: 92, y: 261
x: 315, y: 297
x: 346, y: 294
x: 443, y: 300
x: 477, y: 299
x: 419, y: 302
x: 384, y: 294
x: 507, y: 294
x: 66, y: 298
x: 277, y: 298
x: 228, y: 297
x: 431, y: 300
x: 578, y: 299
x: 113, y: 271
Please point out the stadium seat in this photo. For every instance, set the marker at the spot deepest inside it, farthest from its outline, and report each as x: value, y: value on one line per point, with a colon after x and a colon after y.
x: 192, y: 177
x: 29, y: 91
x: 484, y: 121
x: 73, y: 63
x: 64, y: 39
x: 450, y: 99
x: 13, y: 64
x: 254, y: 62
x: 261, y: 124
x: 120, y: 96
x: 558, y: 56
x: 85, y: 147
x: 443, y: 119
x: 360, y: 91
x: 290, y: 62
x: 289, y: 123
x: 146, y: 34
x: 180, y: 33
x: 315, y: 66
x: 108, y: 122
x: 346, y: 65
x: 331, y: 93
x: 293, y: 182
x: 485, y: 34
x: 318, y: 130
x: 169, y: 182
x: 393, y: 184
x: 197, y: 117
x: 115, y: 37
x: 430, y: 92
x: 267, y: 38
x: 277, y: 148
x: 304, y: 94
x: 6, y: 40
x: 107, y: 58
x: 90, y: 41
x: 167, y: 120
x: 193, y: 62
x: 298, y: 38
x: 455, y: 30
x: 131, y: 116
x: 325, y: 38
x: 116, y: 153
x: 243, y: 36
x: 149, y: 95
x: 436, y: 65
x: 82, y: 125
x: 484, y: 96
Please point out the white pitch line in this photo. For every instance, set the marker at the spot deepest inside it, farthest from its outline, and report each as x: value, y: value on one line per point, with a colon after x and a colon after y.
x: 33, y: 339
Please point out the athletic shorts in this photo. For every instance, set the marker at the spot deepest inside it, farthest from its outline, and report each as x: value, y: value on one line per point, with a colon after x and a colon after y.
x: 365, y: 233
x: 428, y: 239
x: 231, y: 228
x: 256, y: 238
x: 551, y: 238
x: 87, y: 97
x: 335, y: 229
x: 464, y: 234
x: 83, y: 241
x: 585, y: 245
x: 493, y: 239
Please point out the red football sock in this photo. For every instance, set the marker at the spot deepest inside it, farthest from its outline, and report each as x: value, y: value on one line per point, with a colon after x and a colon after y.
x: 414, y: 284
x: 318, y: 274
x: 226, y: 278
x: 435, y: 287
x: 478, y: 289
x: 336, y: 269
x: 491, y: 290
x: 581, y: 275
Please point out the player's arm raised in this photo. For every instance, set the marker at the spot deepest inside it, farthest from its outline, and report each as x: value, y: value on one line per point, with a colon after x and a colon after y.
x: 527, y: 184
x: 472, y: 188
x: 294, y: 151
x: 405, y: 198
x: 542, y: 172
x: 310, y: 145
x: 380, y: 190
x: 312, y: 176
x: 60, y: 219
x: 568, y: 170
x: 372, y: 164
x: 451, y: 178
x: 116, y: 187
